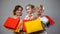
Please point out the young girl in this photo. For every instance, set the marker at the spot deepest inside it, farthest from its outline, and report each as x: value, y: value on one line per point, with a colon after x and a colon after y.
x: 30, y: 11
x: 42, y: 17
x: 46, y: 20
x: 17, y: 12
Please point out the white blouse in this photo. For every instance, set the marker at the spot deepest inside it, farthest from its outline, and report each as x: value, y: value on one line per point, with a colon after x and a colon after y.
x: 28, y: 18
x: 44, y: 19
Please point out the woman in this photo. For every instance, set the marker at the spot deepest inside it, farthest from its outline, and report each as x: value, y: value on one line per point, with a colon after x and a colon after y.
x: 17, y: 12
x: 30, y: 13
x: 42, y: 17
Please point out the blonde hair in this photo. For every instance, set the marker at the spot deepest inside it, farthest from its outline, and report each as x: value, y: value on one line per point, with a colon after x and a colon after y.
x: 41, y: 7
x: 32, y: 7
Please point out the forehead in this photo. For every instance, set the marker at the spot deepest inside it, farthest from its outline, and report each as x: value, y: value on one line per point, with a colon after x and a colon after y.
x: 19, y: 8
x: 28, y: 7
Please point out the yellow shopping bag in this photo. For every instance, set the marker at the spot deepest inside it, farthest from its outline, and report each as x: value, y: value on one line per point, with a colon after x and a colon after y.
x: 18, y: 28
x: 33, y: 26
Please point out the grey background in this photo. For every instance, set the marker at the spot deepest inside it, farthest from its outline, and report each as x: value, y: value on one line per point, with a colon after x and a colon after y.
x: 52, y: 8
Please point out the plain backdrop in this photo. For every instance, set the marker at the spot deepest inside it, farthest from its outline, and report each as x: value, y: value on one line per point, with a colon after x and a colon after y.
x: 52, y: 8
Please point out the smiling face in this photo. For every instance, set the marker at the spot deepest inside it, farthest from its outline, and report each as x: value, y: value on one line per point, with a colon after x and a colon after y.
x: 29, y: 10
x: 40, y: 10
x: 19, y: 12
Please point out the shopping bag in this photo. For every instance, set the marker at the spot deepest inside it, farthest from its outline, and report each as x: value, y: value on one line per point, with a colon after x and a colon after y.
x: 11, y: 23
x: 18, y: 28
x: 23, y: 26
x: 50, y: 20
x: 33, y: 26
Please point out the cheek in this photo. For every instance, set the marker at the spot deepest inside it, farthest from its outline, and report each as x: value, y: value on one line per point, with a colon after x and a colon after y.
x: 39, y: 12
x: 18, y: 12
x: 29, y: 10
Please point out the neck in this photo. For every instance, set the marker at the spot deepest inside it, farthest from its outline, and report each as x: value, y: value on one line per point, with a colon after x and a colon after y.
x: 16, y: 16
x: 30, y: 15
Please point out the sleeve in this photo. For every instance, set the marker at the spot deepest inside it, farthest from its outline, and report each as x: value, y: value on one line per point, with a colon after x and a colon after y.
x: 44, y: 20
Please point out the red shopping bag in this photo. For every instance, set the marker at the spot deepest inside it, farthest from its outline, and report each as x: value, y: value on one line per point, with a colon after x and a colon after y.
x: 11, y: 23
x: 50, y: 20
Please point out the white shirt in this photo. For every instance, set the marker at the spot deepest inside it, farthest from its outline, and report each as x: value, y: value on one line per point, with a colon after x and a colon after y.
x: 28, y: 18
x: 44, y: 19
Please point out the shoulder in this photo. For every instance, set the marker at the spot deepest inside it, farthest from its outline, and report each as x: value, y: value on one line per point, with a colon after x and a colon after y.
x: 26, y: 17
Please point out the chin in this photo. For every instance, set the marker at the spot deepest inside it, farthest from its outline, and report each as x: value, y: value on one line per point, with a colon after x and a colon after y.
x: 18, y: 14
